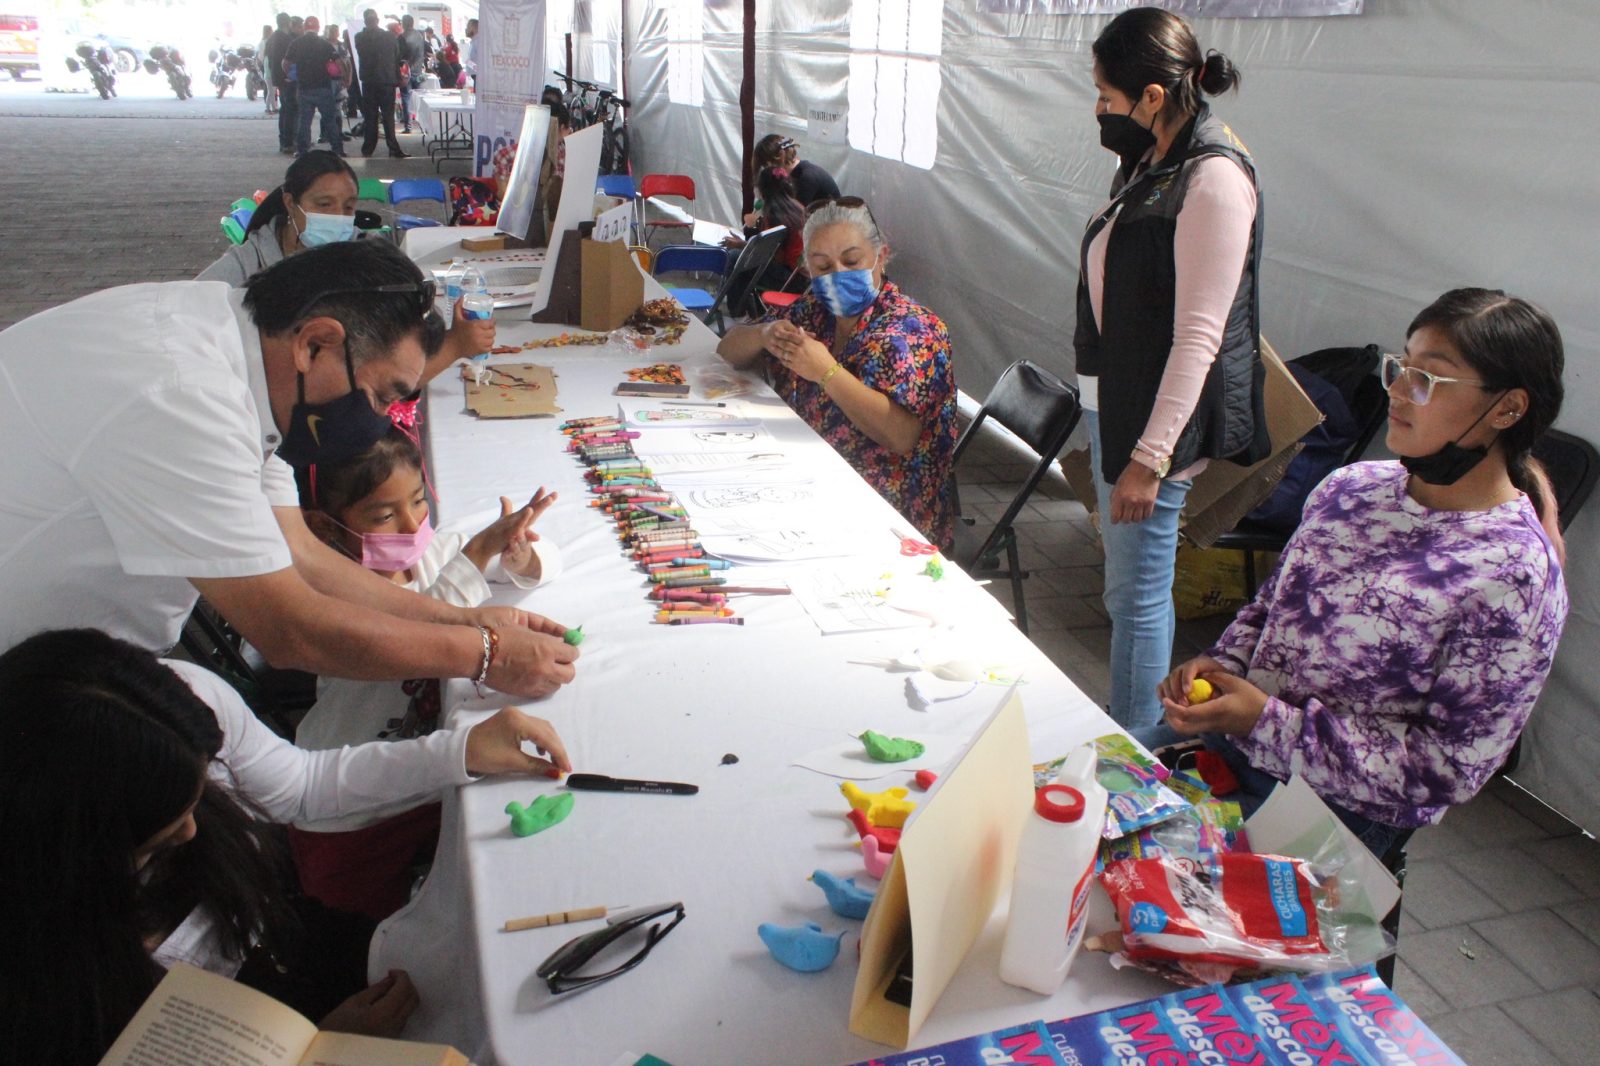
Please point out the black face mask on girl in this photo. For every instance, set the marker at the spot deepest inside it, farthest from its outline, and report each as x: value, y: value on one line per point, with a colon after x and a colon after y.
x: 1123, y: 135
x: 334, y: 431
x: 1451, y: 463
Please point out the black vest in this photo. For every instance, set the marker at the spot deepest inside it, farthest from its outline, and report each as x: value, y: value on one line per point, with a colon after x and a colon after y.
x: 1129, y: 354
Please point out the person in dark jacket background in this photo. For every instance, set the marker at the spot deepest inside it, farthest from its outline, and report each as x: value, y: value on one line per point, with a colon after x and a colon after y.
x: 1167, y: 332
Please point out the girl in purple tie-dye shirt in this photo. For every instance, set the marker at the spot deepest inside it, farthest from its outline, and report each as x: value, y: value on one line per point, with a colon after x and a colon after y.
x: 1396, y: 652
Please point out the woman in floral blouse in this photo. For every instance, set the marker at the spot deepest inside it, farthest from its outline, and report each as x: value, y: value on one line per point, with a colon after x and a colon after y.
x: 867, y: 367
x: 1396, y: 652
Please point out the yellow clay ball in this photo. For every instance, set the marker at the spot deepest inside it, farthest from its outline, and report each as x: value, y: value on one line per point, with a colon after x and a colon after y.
x: 1200, y: 690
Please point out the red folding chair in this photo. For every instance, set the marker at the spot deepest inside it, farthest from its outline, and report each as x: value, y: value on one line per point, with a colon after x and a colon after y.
x: 680, y: 185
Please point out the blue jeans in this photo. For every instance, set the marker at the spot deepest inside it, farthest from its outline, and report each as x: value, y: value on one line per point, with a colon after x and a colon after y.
x: 325, y: 101
x: 1140, y: 560
x: 1256, y: 785
x: 407, y: 87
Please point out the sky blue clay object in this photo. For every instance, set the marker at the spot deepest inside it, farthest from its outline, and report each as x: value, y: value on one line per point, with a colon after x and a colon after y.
x: 539, y: 815
x: 801, y: 947
x: 846, y: 899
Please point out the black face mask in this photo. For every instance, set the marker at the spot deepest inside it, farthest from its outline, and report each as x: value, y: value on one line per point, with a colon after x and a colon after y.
x: 334, y: 431
x: 1451, y: 463
x: 1123, y: 135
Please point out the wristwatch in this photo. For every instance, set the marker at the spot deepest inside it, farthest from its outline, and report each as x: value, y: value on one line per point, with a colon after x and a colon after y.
x: 1163, y: 466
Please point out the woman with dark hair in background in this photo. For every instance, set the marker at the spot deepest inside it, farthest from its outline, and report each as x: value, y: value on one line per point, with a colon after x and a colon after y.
x: 779, y: 207
x: 1167, y: 329
x: 135, y: 796
x: 1395, y: 653
x: 316, y: 204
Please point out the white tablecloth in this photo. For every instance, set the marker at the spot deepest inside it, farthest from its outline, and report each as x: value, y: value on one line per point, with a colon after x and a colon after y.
x: 658, y: 702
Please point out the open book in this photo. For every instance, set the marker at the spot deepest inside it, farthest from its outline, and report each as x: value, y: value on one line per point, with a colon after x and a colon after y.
x: 195, y: 1017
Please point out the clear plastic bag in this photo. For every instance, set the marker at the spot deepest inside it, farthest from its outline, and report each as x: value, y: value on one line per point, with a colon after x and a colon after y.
x: 720, y: 382
x: 1230, y: 915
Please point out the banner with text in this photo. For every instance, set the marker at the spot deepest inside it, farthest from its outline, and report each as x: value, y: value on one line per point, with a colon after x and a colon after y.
x: 509, y: 55
x: 1241, y: 9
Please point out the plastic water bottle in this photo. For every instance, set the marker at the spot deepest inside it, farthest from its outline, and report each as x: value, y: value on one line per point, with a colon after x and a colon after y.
x: 1055, y: 871
x: 476, y: 305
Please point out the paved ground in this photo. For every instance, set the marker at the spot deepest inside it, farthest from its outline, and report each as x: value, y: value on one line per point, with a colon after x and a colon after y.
x: 1500, y: 947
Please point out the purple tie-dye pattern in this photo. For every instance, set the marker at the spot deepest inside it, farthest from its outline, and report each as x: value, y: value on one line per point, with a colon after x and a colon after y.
x: 1402, y: 649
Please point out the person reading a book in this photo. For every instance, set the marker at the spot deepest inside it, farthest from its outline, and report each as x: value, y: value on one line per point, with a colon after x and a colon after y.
x: 1395, y: 653
x: 374, y: 508
x: 316, y: 205
x: 867, y: 367
x: 137, y: 797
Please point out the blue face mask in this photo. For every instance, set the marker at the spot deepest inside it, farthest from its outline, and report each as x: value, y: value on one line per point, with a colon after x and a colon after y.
x: 845, y: 292
x: 323, y: 229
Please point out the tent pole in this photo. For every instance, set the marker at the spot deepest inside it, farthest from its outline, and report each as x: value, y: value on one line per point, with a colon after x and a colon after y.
x: 747, y: 108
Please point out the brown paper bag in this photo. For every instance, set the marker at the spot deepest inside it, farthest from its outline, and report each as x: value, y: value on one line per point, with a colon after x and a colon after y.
x: 1225, y: 492
x: 613, y: 288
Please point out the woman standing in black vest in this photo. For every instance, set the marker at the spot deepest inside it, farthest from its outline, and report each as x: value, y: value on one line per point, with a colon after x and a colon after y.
x: 1167, y: 333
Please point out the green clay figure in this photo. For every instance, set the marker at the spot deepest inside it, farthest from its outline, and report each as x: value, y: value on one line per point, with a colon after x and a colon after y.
x: 935, y: 568
x: 573, y: 636
x: 539, y: 815
x: 890, y: 749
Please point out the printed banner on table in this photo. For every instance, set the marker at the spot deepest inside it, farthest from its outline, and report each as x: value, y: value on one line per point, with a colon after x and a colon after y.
x: 1226, y: 9
x: 509, y: 54
x: 1350, y: 1018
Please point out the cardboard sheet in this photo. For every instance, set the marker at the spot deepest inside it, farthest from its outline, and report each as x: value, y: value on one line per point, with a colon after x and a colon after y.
x: 955, y: 860
x: 1225, y: 492
x: 511, y: 390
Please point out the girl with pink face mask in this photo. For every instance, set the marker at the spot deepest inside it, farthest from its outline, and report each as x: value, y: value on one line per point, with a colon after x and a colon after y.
x: 374, y: 508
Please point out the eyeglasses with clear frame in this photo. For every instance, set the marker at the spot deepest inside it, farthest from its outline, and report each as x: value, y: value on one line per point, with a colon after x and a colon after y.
x: 1419, y: 384
x: 562, y: 971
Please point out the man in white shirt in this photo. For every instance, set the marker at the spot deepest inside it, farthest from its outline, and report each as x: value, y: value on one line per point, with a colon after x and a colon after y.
x: 141, y: 428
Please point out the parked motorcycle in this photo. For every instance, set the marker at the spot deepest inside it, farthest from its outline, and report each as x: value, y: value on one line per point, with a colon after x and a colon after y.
x: 170, y: 61
x: 223, y: 65
x: 100, y: 64
x: 254, y: 83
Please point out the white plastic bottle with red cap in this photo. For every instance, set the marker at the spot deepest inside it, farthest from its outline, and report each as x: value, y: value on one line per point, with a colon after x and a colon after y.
x: 1055, y: 871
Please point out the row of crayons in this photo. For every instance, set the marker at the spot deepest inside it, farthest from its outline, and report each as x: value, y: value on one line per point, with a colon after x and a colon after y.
x: 653, y: 526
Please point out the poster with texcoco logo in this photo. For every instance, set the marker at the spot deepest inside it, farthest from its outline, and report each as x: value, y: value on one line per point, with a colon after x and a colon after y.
x: 509, y: 52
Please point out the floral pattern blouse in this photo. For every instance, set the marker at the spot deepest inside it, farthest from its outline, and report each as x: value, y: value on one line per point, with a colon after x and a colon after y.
x: 1402, y: 648
x: 902, y: 350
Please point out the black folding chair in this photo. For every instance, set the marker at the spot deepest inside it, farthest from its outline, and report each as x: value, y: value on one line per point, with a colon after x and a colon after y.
x: 274, y: 695
x: 1369, y: 405
x: 739, y: 285
x: 1040, y: 409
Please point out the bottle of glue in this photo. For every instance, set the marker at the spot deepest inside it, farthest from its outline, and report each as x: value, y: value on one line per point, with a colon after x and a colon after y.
x: 1055, y: 871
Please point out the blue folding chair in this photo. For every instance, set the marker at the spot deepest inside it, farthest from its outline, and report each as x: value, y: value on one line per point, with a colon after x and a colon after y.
x: 691, y: 259
x: 618, y: 185
x: 403, y: 189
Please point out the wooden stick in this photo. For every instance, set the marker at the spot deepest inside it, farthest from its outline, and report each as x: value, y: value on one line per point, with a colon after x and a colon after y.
x: 539, y: 921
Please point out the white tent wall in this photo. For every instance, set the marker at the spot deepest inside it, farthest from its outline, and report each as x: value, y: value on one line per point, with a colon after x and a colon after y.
x: 1422, y: 145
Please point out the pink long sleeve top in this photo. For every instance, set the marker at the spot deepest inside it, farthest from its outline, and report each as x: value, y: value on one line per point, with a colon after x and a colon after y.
x: 1209, y: 249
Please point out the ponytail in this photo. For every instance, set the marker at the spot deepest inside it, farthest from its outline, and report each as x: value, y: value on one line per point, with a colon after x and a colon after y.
x: 300, y: 176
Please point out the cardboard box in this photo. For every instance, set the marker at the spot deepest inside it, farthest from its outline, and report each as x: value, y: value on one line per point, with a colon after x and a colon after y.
x: 612, y: 287
x: 484, y: 244
x: 1225, y: 492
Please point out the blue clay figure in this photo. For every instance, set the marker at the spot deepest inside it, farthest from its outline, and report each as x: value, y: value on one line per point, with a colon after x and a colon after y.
x: 846, y: 899
x: 539, y: 815
x: 801, y: 947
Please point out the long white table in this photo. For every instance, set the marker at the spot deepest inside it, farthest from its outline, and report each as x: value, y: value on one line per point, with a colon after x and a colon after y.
x: 449, y: 117
x: 668, y: 703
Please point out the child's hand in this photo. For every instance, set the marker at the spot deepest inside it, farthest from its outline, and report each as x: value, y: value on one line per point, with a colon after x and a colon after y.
x: 511, y: 536
x: 379, y: 1010
x: 495, y: 746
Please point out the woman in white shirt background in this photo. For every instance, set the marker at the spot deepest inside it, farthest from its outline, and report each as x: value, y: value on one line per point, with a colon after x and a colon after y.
x: 135, y: 802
